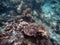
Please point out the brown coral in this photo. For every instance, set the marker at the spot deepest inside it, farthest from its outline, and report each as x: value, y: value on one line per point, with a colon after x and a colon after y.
x: 26, y: 32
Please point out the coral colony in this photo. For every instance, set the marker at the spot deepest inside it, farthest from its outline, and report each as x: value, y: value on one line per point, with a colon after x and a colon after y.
x: 24, y: 31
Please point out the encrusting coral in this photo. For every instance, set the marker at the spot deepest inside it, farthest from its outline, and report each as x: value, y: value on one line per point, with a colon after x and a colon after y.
x: 25, y: 32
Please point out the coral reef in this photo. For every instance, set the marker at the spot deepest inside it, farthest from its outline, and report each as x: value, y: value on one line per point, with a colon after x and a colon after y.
x: 24, y: 31
x: 42, y: 12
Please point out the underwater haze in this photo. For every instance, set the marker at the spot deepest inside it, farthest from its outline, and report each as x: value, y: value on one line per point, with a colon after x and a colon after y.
x: 46, y: 12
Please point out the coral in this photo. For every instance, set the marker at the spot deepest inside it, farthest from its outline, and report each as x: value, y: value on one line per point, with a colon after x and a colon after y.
x: 25, y: 32
x: 27, y: 14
